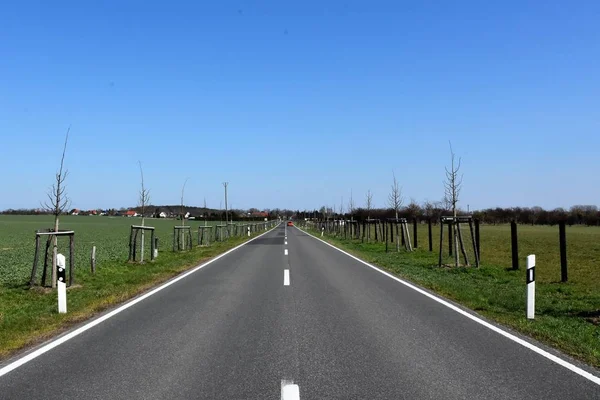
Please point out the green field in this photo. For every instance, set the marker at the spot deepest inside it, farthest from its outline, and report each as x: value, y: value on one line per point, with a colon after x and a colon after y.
x: 110, y: 235
x: 30, y: 315
x: 567, y: 314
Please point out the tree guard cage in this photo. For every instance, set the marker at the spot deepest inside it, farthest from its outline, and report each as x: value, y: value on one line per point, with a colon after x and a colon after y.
x: 133, y: 235
x: 403, y: 233
x: 339, y: 226
x: 353, y: 229
x: 50, y: 234
x: 204, y: 234
x: 456, y: 222
x: 220, y: 233
x: 231, y: 231
x: 330, y: 226
x: 182, y: 237
x: 378, y: 228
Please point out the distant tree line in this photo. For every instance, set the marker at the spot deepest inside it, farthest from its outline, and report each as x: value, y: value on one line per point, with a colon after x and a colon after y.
x: 576, y: 215
x: 172, y: 211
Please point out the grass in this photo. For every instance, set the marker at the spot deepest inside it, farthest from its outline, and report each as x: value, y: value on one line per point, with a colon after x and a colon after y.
x: 567, y: 314
x: 28, y: 316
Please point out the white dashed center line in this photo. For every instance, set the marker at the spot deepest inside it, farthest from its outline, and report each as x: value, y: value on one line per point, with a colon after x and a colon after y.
x: 289, y: 391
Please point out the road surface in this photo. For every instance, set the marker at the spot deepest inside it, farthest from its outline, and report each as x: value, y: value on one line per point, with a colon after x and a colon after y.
x: 335, y: 328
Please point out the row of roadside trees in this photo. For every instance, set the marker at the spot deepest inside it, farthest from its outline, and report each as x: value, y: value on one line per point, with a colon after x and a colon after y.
x: 577, y: 215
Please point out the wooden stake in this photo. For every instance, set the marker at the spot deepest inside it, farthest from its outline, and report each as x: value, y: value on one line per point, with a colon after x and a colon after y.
x: 71, y: 259
x: 475, y: 244
x: 35, y: 260
x: 441, y: 241
x: 462, y: 244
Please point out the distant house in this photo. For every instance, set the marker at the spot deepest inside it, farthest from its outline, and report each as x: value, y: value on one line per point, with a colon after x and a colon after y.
x: 130, y: 213
x: 75, y: 211
x: 162, y: 214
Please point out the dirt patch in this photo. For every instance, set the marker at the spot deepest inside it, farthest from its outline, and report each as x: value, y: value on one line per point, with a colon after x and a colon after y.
x: 46, y: 290
x: 593, y: 317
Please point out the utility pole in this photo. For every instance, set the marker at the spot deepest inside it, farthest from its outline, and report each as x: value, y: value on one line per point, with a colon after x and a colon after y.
x: 226, y: 214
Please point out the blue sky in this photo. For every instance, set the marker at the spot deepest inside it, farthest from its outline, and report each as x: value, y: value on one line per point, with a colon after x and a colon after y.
x: 298, y: 105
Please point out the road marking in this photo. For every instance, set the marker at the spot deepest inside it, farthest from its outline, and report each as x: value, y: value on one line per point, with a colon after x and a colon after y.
x: 55, y: 343
x: 289, y: 391
x: 286, y: 277
x: 286, y: 242
x: 581, y: 372
x: 285, y: 252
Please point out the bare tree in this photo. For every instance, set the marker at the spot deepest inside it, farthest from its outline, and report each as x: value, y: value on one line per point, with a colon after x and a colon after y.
x: 225, y: 184
x: 395, y: 201
x: 428, y: 207
x: 369, y: 204
x: 452, y: 188
x: 58, y: 203
x: 351, y: 206
x: 395, y: 198
x: 182, y: 209
x: 143, y: 200
x: 446, y: 204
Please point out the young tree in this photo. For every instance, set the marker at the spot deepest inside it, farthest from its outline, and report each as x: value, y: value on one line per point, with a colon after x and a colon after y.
x: 452, y: 188
x: 351, y: 206
x: 182, y: 207
x: 395, y: 198
x: 369, y: 204
x: 395, y: 201
x: 225, y: 184
x: 58, y: 203
x: 143, y: 200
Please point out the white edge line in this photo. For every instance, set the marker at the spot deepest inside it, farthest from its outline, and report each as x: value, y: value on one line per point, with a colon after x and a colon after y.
x: 38, y: 352
x: 286, y: 277
x: 593, y: 378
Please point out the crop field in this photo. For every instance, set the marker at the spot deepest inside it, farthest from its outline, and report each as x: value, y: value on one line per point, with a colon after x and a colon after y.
x: 110, y: 235
x: 567, y: 314
x: 28, y: 316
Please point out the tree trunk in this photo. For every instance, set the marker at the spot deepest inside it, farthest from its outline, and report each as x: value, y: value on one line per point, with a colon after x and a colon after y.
x: 54, y: 252
x: 455, y: 235
x: 142, y: 249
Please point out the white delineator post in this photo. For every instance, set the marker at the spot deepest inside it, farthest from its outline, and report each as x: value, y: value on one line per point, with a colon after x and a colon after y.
x: 248, y: 231
x: 322, y: 231
x: 531, y: 286
x: 61, y: 283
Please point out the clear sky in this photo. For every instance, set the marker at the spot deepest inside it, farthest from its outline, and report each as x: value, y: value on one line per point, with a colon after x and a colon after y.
x: 298, y: 105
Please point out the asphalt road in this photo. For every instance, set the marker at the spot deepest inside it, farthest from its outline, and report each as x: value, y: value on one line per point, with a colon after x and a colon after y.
x: 339, y: 330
